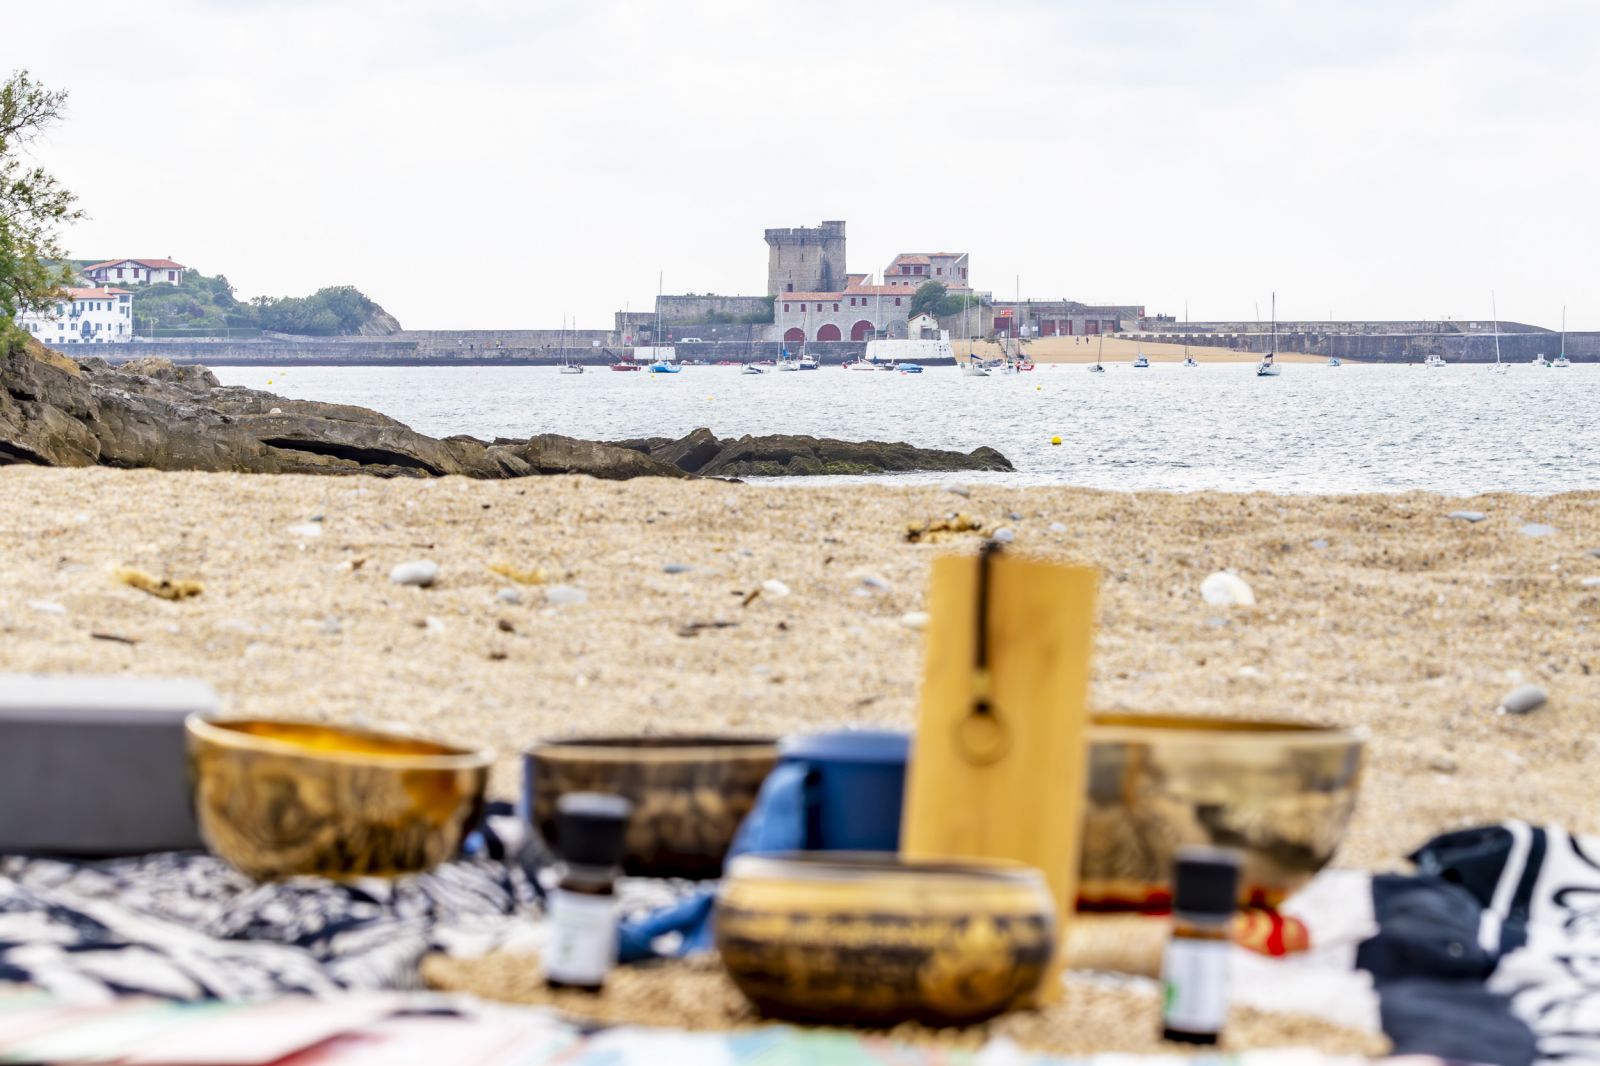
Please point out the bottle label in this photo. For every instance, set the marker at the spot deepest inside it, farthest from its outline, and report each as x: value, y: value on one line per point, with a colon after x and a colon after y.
x: 583, y: 938
x: 1194, y: 983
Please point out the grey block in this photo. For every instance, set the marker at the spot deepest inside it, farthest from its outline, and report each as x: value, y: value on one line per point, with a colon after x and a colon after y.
x: 96, y: 765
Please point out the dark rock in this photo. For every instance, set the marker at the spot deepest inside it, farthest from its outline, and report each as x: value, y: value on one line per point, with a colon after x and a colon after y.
x: 55, y: 411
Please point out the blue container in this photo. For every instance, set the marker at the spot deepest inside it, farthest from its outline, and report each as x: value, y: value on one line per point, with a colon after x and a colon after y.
x: 854, y: 786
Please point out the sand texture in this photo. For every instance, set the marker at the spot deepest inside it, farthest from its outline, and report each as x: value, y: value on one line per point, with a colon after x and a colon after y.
x: 1372, y: 610
x: 1094, y: 1016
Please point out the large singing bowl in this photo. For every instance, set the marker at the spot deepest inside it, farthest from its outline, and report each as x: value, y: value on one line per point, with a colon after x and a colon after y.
x: 689, y: 793
x: 1280, y: 793
x: 874, y: 939
x: 281, y: 799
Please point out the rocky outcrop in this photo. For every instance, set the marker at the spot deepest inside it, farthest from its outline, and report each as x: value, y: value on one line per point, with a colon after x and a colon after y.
x: 56, y: 411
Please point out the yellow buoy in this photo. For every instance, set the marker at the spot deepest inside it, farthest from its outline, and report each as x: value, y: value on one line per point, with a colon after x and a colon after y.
x: 1055, y: 440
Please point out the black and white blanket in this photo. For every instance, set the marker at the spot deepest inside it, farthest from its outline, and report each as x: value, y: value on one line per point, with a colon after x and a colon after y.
x: 1491, y: 953
x: 187, y: 926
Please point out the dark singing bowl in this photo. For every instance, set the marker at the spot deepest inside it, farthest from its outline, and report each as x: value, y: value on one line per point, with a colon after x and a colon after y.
x: 689, y: 793
x: 1280, y: 793
x: 871, y: 939
x: 280, y: 799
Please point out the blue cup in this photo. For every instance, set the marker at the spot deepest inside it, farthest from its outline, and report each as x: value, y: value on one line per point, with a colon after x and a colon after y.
x: 853, y: 786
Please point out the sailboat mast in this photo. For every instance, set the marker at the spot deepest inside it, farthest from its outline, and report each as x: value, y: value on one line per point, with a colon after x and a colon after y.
x: 1274, y: 323
x: 1494, y: 309
x: 1563, y: 331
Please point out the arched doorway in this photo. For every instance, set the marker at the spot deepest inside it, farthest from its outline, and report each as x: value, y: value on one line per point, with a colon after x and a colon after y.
x: 829, y: 332
x: 796, y: 335
x: 862, y: 331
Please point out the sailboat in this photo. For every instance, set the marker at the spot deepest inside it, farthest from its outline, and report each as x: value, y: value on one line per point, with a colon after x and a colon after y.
x: 1561, y: 360
x: 1334, y: 360
x: 1498, y: 367
x: 1097, y: 368
x: 567, y: 365
x: 1188, y: 360
x: 1268, y: 367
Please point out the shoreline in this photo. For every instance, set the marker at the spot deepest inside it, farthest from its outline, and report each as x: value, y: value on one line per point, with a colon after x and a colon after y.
x: 1374, y: 610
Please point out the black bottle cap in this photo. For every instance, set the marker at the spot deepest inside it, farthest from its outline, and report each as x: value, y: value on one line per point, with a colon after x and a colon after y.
x: 1205, y: 882
x: 591, y: 827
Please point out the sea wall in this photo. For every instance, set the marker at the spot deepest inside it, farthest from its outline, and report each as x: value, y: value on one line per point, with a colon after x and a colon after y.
x: 409, y: 353
x: 1518, y: 343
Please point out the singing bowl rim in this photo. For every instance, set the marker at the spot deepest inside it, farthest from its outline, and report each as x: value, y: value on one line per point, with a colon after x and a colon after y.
x: 225, y: 733
x: 663, y: 748
x: 1132, y: 728
x: 857, y: 867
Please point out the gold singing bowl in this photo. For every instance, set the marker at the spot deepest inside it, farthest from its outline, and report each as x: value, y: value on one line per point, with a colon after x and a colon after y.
x: 280, y: 799
x: 1280, y: 793
x: 689, y: 793
x: 871, y: 939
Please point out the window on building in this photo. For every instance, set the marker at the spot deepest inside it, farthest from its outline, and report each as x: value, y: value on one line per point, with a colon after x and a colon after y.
x: 172, y: 275
x: 789, y: 287
x: 119, y: 272
x: 897, y: 301
x: 938, y: 270
x: 786, y: 308
x: 836, y: 307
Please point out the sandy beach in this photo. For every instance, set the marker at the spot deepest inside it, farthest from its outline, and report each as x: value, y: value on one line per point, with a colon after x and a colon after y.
x: 1377, y: 611
x: 1121, y: 350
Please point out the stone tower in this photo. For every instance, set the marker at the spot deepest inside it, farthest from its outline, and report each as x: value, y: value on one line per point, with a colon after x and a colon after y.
x: 806, y: 259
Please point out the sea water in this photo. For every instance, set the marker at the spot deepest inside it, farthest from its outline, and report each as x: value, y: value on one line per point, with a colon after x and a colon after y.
x: 1314, y: 429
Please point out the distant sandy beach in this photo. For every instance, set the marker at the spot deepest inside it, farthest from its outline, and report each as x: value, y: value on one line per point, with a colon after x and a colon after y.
x: 1118, y: 350
x: 1376, y: 611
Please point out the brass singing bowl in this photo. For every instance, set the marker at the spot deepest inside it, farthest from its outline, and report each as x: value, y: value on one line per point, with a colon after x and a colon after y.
x: 689, y: 793
x: 1280, y: 793
x: 870, y: 939
x: 280, y: 799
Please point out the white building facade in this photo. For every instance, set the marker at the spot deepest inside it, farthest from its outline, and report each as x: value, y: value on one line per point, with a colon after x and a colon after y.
x: 135, y: 272
x: 83, y: 316
x: 858, y: 313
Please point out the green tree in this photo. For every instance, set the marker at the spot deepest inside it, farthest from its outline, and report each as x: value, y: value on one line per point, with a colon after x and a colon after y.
x: 33, y: 206
x: 933, y: 298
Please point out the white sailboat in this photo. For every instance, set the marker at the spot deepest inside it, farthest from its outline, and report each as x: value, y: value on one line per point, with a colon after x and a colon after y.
x: 1268, y: 367
x: 1498, y: 367
x: 1188, y: 360
x: 1097, y: 368
x: 1561, y: 360
x: 567, y: 365
x: 1334, y: 360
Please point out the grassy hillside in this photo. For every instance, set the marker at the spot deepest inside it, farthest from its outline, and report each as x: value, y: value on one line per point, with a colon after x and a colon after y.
x: 206, y: 304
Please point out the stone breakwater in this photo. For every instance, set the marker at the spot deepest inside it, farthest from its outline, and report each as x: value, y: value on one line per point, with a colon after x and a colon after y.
x: 56, y: 411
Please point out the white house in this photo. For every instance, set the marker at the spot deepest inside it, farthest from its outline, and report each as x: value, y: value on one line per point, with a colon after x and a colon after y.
x: 83, y: 316
x: 135, y: 272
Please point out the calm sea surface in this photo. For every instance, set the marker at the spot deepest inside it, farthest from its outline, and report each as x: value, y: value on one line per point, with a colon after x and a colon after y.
x: 1315, y: 429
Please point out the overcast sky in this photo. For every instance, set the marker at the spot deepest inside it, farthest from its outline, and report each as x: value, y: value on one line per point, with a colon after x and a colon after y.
x: 497, y: 163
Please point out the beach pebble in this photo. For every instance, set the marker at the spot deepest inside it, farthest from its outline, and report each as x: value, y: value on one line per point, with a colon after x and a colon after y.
x: 774, y: 587
x: 876, y: 582
x: 275, y: 410
x: 1590, y: 582
x: 1320, y: 544
x: 959, y: 490
x: 1443, y: 764
x: 1223, y: 589
x: 1595, y: 552
x: 305, y: 529
x: 1004, y: 535
x: 915, y: 619
x: 1466, y: 516
x: 331, y: 626
x: 562, y: 595
x: 1522, y: 699
x: 1057, y: 527
x: 1536, y: 529
x: 431, y: 624
x: 1015, y: 516
x: 47, y: 607
x: 1249, y: 671
x: 676, y: 568
x: 509, y: 595
x: 419, y: 572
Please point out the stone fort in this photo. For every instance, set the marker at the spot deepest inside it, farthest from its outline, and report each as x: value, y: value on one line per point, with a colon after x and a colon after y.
x: 806, y: 259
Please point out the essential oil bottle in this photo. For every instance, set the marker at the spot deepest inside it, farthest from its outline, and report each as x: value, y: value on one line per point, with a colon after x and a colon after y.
x: 1194, y: 969
x: 591, y: 828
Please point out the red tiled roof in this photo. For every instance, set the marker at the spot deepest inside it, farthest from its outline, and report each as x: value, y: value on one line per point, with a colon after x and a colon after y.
x: 909, y: 257
x: 95, y: 294
x: 153, y: 264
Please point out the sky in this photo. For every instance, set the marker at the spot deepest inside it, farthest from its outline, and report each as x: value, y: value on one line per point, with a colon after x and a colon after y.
x: 514, y: 163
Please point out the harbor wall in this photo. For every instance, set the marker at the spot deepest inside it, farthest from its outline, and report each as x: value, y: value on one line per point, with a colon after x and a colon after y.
x: 400, y: 353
